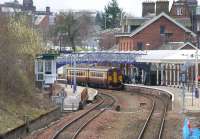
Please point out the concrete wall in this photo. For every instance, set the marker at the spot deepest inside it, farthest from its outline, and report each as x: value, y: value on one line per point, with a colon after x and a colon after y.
x: 35, y: 124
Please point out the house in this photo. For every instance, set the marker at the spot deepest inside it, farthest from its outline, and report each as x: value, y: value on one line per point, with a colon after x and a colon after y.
x: 11, y: 7
x: 180, y: 9
x: 153, y: 33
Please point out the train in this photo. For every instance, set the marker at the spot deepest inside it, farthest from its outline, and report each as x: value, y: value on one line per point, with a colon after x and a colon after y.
x: 98, y: 77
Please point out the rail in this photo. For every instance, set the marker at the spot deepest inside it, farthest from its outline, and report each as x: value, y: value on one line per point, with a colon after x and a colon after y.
x: 163, y: 121
x: 76, y: 119
x: 98, y: 114
x: 84, y: 114
x: 165, y: 104
x: 146, y: 123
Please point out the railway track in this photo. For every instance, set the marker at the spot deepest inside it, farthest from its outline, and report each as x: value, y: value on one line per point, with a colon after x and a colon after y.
x: 154, y: 124
x: 152, y: 128
x: 72, y: 129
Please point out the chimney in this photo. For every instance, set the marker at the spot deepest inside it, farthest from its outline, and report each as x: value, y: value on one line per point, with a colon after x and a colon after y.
x: 162, y: 6
x: 148, y: 7
x: 48, y: 9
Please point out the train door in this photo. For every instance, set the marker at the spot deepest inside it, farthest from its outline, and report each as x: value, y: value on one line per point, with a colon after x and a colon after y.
x: 109, y: 76
x: 115, y: 76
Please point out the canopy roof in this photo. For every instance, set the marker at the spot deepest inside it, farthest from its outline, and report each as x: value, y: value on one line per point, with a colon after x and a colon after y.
x: 130, y: 57
x: 169, y: 56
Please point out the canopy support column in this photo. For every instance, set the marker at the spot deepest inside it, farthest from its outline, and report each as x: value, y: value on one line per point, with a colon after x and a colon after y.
x: 142, y: 76
x: 174, y: 71
x: 157, y: 74
x: 170, y: 74
x: 178, y: 75
x: 166, y: 74
x: 162, y: 74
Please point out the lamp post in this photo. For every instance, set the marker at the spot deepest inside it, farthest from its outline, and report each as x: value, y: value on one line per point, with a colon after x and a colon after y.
x: 60, y: 40
x: 196, y: 74
x: 105, y: 22
x: 183, y: 79
x: 62, y: 36
x: 74, y: 67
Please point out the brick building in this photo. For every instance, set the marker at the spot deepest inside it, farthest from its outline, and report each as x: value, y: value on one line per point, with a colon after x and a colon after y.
x: 180, y: 9
x: 153, y: 33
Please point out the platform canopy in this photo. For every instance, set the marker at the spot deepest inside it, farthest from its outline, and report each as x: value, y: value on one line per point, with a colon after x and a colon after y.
x: 114, y: 57
x: 130, y: 57
x: 169, y: 56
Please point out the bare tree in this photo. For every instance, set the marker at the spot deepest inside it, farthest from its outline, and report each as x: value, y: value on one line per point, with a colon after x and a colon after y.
x: 73, y: 28
x: 19, y: 45
x: 107, y: 40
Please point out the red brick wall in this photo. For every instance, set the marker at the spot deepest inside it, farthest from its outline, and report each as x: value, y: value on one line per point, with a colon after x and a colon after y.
x: 44, y: 23
x: 173, y: 11
x: 151, y: 36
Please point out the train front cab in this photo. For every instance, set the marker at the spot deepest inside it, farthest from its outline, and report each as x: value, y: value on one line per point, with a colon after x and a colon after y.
x: 115, y: 78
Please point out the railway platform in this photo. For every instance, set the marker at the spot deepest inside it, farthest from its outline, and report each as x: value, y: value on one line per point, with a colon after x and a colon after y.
x: 191, y: 104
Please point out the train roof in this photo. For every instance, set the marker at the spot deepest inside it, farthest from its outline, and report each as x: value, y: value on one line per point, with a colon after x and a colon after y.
x: 92, y: 68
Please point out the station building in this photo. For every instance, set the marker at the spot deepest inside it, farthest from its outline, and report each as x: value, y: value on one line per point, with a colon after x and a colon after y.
x: 162, y: 33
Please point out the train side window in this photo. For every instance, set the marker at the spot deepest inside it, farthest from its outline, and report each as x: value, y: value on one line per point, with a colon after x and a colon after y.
x: 92, y: 74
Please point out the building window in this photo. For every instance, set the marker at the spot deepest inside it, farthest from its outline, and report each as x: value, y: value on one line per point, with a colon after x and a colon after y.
x: 40, y: 66
x: 179, y: 11
x: 40, y: 77
x: 162, y: 29
x: 140, y: 46
x: 48, y: 67
x: 133, y: 27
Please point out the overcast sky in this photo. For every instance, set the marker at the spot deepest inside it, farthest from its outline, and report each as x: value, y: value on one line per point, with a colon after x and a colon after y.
x: 130, y: 6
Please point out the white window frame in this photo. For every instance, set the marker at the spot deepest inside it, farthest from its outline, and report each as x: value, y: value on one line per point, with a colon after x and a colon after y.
x: 179, y: 11
x: 48, y: 66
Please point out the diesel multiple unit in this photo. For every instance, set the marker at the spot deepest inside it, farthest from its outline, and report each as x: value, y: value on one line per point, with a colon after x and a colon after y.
x: 101, y: 77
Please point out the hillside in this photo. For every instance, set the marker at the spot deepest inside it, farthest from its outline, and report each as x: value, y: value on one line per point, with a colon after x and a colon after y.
x: 14, y: 107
